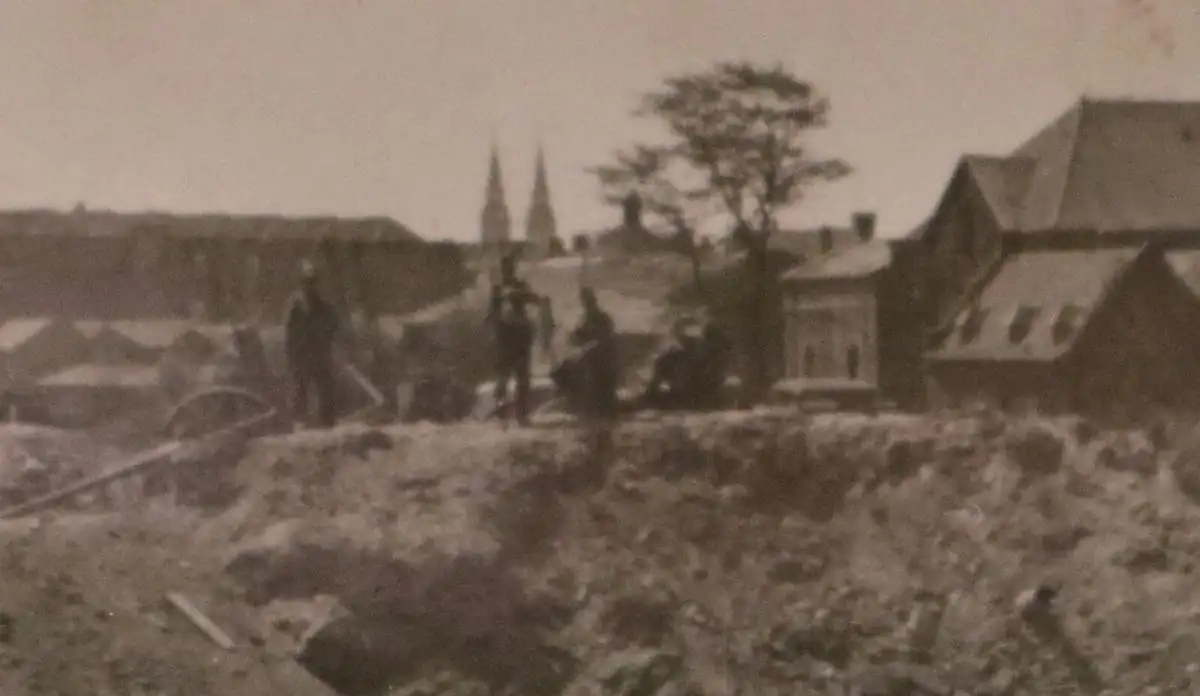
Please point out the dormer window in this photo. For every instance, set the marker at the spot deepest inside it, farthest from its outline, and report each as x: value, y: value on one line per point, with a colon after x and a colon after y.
x: 1067, y: 323
x: 972, y: 325
x: 1022, y: 323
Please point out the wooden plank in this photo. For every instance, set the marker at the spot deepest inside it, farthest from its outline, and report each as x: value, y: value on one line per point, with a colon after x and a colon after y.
x: 372, y: 391
x: 200, y: 621
x: 162, y: 454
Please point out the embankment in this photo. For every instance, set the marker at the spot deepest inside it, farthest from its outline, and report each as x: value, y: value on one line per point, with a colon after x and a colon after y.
x: 739, y: 553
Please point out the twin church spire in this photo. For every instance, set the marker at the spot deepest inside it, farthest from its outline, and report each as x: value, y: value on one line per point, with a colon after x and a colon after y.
x: 541, y: 228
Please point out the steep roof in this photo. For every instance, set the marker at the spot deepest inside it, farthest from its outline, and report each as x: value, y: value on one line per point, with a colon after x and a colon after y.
x: 1003, y: 182
x: 853, y: 262
x: 108, y: 223
x: 1103, y: 165
x: 1041, y: 289
x: 16, y: 332
x: 1186, y: 265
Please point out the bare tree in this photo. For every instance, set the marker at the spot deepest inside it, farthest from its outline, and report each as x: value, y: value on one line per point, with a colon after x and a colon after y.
x: 737, y: 142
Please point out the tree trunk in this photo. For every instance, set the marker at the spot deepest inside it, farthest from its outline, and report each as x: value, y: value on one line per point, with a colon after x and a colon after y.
x: 758, y: 353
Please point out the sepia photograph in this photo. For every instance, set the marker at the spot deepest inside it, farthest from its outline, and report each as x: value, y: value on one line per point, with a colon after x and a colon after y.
x: 599, y: 348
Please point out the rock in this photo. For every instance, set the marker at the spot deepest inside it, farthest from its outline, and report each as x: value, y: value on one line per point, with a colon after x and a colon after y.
x: 1131, y: 453
x: 640, y: 673
x: 1142, y: 560
x: 1036, y: 451
x: 639, y: 621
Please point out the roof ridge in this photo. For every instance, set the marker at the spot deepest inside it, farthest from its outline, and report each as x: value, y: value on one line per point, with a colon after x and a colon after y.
x: 1072, y: 159
x: 1136, y: 100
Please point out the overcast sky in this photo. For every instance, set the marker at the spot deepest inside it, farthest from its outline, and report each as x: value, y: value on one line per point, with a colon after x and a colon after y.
x: 363, y: 107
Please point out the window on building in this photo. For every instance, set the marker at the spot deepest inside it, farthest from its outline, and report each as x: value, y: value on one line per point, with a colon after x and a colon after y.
x: 810, y: 361
x: 1067, y: 323
x: 972, y: 325
x: 1022, y: 323
x: 852, y: 360
x: 826, y: 235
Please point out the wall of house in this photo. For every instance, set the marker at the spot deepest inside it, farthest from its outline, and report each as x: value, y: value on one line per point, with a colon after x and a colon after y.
x: 961, y: 244
x: 901, y: 331
x: 1141, y: 348
x: 825, y: 326
x: 214, y: 278
x: 1010, y: 386
x: 1135, y: 354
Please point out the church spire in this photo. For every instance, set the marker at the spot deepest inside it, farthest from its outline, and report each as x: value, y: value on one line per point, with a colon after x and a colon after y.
x: 541, y: 189
x: 495, y: 183
x: 495, y: 227
x: 540, y: 226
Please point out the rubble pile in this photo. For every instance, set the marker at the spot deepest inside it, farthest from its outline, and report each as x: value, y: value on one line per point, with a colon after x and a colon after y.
x: 751, y: 553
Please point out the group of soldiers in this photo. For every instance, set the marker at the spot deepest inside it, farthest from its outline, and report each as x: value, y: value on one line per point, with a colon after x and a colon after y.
x: 589, y: 375
x: 689, y: 375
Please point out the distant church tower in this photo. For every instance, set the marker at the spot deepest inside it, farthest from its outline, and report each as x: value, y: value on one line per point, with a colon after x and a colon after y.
x: 540, y: 227
x: 495, y: 227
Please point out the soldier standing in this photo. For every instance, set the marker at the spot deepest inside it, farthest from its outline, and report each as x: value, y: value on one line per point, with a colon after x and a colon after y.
x: 597, y: 335
x: 514, y: 334
x: 311, y: 330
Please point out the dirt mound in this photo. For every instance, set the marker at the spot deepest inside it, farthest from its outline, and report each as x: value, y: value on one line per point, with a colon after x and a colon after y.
x: 764, y: 553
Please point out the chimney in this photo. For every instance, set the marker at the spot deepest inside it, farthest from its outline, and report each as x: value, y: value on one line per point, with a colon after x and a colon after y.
x: 864, y: 226
x: 633, y: 211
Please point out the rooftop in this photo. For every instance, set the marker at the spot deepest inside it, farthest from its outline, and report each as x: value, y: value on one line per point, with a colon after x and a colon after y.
x: 102, y: 223
x: 1105, y: 165
x: 858, y: 261
x: 15, y: 332
x: 1036, y: 305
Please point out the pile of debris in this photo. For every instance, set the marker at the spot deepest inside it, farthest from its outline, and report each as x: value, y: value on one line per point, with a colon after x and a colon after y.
x: 764, y: 553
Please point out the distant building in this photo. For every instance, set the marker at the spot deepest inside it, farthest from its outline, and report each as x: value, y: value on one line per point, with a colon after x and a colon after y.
x: 631, y: 237
x: 100, y: 265
x: 541, y: 227
x: 495, y: 225
x: 1098, y: 331
x: 813, y: 243
x: 846, y: 334
x: 1058, y: 276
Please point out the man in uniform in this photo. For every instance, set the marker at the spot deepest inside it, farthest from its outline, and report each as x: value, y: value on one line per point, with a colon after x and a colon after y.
x: 514, y: 335
x: 597, y: 338
x: 672, y: 379
x: 311, y: 330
